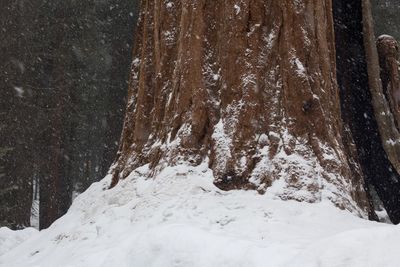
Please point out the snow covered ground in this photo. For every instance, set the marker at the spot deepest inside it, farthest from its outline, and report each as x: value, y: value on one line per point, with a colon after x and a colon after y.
x: 180, y: 219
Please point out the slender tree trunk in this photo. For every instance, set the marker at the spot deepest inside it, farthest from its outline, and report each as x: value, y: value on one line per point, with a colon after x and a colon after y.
x: 385, y: 169
x: 16, y: 116
x: 55, y: 183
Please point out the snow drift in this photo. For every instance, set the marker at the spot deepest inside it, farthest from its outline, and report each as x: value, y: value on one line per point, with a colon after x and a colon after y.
x: 181, y: 219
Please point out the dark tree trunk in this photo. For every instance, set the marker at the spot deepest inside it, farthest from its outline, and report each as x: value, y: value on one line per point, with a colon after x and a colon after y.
x: 386, y: 179
x: 55, y: 183
x: 16, y: 135
x: 356, y: 98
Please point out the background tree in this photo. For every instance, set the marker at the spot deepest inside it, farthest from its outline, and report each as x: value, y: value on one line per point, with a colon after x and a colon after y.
x: 16, y: 142
x: 386, y: 17
x: 64, y: 86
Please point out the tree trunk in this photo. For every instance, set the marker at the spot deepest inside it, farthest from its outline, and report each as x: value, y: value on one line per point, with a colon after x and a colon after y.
x: 385, y: 104
x: 55, y: 186
x: 249, y: 86
x: 16, y: 142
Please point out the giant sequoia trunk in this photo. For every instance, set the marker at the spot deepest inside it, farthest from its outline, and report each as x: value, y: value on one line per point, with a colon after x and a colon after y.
x: 251, y: 88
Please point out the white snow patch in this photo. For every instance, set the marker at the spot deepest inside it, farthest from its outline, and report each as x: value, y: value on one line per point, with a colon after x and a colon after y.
x: 237, y: 9
x: 169, y: 5
x: 222, y: 142
x: 270, y: 39
x: 301, y: 70
x: 10, y: 239
x: 391, y: 142
x: 19, y: 90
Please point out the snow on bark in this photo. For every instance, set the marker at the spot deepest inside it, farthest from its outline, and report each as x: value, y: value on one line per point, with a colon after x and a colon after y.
x: 225, y: 75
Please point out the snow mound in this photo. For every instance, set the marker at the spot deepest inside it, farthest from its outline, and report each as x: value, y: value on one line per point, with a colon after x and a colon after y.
x: 10, y: 239
x: 180, y: 219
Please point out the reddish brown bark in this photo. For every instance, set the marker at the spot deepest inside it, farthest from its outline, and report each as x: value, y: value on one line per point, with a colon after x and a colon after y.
x: 250, y: 86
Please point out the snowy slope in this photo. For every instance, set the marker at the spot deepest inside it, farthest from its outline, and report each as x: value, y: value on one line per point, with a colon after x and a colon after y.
x: 180, y: 219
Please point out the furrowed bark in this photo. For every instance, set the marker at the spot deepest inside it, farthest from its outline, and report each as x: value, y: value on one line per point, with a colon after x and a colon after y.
x: 248, y: 86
